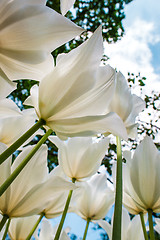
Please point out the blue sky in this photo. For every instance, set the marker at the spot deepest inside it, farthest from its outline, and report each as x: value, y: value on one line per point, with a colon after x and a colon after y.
x: 139, y: 49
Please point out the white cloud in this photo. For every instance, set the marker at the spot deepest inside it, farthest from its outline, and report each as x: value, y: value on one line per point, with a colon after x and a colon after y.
x: 145, y: 9
x: 133, y: 54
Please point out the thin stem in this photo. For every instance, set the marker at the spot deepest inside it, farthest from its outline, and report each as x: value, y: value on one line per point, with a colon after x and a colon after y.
x: 21, y: 140
x: 143, y: 226
x: 35, y: 226
x: 151, y: 230
x: 118, y: 198
x: 15, y: 173
x: 86, y: 229
x: 64, y: 213
x: 6, y: 230
x: 3, y: 221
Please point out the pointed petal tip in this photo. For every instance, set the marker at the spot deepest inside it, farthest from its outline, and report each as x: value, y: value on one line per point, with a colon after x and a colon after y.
x: 65, y: 5
x: 98, y: 32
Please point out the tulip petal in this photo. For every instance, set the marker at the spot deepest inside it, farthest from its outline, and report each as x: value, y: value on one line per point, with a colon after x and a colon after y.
x: 71, y: 66
x: 43, y: 25
x: 15, y: 69
x: 35, y: 172
x: 32, y: 100
x: 81, y: 101
x: 122, y: 101
x: 130, y: 228
x: 6, y: 85
x: 56, y: 141
x: 20, y: 227
x: 135, y: 229
x: 139, y: 105
x: 35, y: 201
x: 46, y: 230
x: 125, y: 223
x: 91, y: 159
x: 157, y: 226
x: 94, y: 198
x: 146, y: 171
x: 5, y: 171
x: 106, y: 226
x: 125, y: 104
x: 8, y: 108
x: 56, y: 205
x: 80, y: 157
x: 29, y: 32
x: 13, y: 127
x: 89, y: 126
x: 66, y: 5
x: 5, y: 166
x: 141, y: 190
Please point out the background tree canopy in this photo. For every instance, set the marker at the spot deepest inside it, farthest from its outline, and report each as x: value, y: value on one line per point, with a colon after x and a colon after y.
x: 89, y: 14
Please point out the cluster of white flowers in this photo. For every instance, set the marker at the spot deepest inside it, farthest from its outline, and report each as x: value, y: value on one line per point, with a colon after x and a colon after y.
x: 77, y: 99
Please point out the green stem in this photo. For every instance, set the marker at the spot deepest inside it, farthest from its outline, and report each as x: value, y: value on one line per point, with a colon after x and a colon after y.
x: 64, y: 213
x: 86, y: 229
x: 151, y: 230
x: 6, y: 230
x: 3, y: 221
x: 21, y: 140
x: 116, y: 233
x: 15, y: 173
x: 35, y: 226
x: 143, y: 226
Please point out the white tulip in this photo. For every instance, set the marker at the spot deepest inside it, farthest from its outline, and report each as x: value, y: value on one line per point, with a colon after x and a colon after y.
x: 13, y: 122
x: 48, y: 232
x: 126, y: 105
x: 72, y: 99
x: 29, y: 32
x: 33, y: 188
x: 80, y: 157
x: 19, y: 228
x: 56, y: 205
x: 131, y: 229
x: 94, y: 198
x: 142, y: 178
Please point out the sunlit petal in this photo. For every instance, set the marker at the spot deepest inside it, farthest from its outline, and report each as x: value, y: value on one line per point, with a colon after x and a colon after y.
x: 66, y: 5
x: 141, y: 180
x: 29, y: 32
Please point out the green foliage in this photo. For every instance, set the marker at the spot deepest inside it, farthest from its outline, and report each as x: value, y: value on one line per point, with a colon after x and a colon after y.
x: 152, y: 101
x: 89, y: 14
x: 110, y: 156
x: 54, y: 5
x: 22, y: 92
x: 136, y: 80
